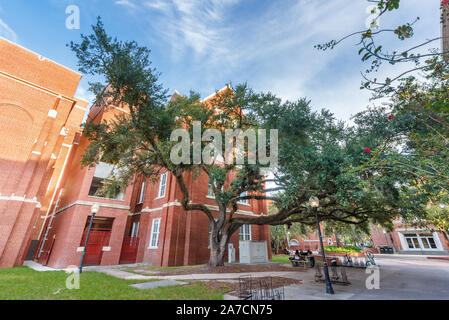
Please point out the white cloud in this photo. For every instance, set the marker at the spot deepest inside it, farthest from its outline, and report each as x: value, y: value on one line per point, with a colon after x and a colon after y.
x: 7, y: 32
x: 192, y: 24
x: 126, y: 3
x: 213, y: 42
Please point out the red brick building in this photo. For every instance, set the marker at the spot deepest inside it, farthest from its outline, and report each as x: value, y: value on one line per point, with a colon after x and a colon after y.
x: 39, y: 119
x: 403, y: 239
x: 410, y: 240
x: 46, y: 197
x: 312, y: 242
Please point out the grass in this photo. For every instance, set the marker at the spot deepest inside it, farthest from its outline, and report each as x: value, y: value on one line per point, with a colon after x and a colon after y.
x: 280, y: 259
x: 22, y: 283
x: 341, y: 249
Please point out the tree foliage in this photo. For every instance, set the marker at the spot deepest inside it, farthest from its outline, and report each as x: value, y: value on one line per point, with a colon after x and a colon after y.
x: 318, y: 155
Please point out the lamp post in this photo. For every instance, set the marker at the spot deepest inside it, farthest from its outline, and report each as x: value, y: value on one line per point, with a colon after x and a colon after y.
x: 314, y: 203
x: 94, y: 209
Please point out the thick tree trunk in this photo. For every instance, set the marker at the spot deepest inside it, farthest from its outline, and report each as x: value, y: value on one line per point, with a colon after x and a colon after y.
x: 217, y: 254
x: 287, y: 236
x: 218, y: 246
x: 337, y: 239
x: 276, y: 250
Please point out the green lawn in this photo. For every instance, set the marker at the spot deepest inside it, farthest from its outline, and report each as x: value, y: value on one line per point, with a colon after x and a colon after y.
x: 281, y: 258
x: 26, y: 284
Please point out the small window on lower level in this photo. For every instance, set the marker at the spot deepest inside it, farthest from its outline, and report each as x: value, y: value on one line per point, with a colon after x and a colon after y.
x: 155, y: 230
x: 245, y: 232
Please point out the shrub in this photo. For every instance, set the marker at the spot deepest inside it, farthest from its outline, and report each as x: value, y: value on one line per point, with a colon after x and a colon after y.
x: 341, y: 249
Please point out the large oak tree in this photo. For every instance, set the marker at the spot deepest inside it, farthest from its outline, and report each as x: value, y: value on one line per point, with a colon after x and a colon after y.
x: 317, y: 155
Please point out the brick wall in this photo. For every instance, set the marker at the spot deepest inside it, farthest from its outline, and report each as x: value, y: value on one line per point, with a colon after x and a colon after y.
x: 36, y: 102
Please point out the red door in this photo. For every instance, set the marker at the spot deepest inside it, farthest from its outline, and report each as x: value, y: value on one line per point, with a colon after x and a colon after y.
x: 98, y: 238
x: 129, y: 250
x: 94, y: 248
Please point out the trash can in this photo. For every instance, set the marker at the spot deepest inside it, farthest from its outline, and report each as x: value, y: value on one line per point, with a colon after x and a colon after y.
x: 390, y: 250
x: 382, y: 250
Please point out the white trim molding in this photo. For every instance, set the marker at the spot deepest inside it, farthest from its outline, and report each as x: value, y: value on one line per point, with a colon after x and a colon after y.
x: 91, y: 203
x: 20, y: 199
x: 210, y: 207
x: 165, y: 205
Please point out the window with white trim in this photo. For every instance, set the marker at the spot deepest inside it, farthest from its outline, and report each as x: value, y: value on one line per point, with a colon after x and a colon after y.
x: 245, y: 232
x: 142, y: 192
x: 210, y: 191
x: 162, y: 185
x: 294, y: 242
x: 420, y: 241
x: 243, y: 201
x: 135, y: 229
x: 154, y: 238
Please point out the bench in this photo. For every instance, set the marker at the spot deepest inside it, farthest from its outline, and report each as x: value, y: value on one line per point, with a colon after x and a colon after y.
x: 337, y: 274
x: 306, y: 262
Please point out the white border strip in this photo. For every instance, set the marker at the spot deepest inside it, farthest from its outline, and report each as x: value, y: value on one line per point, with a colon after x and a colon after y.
x: 91, y: 203
x: 210, y: 207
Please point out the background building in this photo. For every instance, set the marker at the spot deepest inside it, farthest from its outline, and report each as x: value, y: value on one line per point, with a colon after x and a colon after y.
x: 410, y: 240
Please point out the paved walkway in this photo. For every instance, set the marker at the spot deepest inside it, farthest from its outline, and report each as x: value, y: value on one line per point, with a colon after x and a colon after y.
x: 38, y: 267
x: 401, y: 277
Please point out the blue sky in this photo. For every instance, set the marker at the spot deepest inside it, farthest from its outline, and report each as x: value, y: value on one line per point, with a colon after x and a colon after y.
x: 203, y: 45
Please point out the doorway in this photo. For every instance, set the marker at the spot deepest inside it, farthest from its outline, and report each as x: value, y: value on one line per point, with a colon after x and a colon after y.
x: 99, y: 237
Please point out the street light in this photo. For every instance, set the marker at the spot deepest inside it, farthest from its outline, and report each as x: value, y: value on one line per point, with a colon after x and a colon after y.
x: 315, y: 203
x: 94, y: 209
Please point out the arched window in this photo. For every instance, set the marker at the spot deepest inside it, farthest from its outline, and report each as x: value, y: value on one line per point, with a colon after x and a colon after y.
x: 294, y: 242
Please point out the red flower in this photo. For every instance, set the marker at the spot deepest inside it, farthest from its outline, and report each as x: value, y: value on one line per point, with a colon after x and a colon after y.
x: 391, y: 116
x: 368, y: 149
x: 444, y: 2
x: 388, y: 133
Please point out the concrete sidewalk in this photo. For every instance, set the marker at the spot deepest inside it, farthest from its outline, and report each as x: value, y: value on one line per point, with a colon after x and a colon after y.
x: 38, y: 267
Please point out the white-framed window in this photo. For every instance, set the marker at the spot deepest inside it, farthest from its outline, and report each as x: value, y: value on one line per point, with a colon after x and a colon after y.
x: 155, y: 228
x: 243, y: 201
x: 135, y: 229
x: 416, y: 241
x: 210, y: 191
x: 142, y: 192
x: 162, y: 185
x: 245, y: 232
x: 294, y: 242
